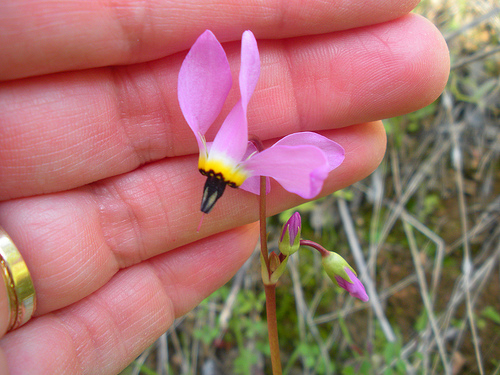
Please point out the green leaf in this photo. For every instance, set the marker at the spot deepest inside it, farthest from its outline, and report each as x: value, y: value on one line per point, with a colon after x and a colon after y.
x: 490, y: 313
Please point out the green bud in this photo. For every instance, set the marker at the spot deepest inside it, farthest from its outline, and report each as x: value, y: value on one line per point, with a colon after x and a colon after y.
x: 334, y: 265
x: 343, y: 275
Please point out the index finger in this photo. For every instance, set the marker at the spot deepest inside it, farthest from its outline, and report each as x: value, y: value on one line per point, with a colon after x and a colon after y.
x: 50, y: 36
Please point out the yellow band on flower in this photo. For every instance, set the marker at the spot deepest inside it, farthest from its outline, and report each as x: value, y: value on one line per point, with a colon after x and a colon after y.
x: 222, y: 169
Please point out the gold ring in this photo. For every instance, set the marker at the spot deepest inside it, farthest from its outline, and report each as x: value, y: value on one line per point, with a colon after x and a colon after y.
x: 20, y: 289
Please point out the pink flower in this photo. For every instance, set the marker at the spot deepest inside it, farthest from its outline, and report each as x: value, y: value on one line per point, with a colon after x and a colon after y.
x: 353, y: 286
x: 299, y: 162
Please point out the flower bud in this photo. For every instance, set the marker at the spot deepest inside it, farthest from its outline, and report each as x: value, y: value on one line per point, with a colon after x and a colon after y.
x: 289, y: 242
x: 343, y: 275
x: 277, y: 266
x: 274, y: 262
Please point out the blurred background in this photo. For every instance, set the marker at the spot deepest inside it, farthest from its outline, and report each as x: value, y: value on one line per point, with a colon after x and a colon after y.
x: 422, y: 231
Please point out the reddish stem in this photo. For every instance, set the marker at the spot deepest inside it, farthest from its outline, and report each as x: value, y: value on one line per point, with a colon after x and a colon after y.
x: 262, y: 219
x: 272, y: 328
x: 270, y: 290
x: 324, y: 252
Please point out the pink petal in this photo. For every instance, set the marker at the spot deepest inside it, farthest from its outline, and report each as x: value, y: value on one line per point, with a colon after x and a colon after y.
x: 250, y: 67
x: 252, y: 184
x: 333, y: 151
x: 232, y: 138
x: 204, y: 83
x: 251, y: 149
x: 299, y: 169
x: 355, y: 288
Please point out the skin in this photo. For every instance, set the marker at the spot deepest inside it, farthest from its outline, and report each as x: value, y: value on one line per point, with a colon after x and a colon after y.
x: 100, y: 190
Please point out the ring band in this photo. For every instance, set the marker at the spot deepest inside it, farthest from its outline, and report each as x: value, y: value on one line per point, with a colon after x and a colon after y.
x: 20, y: 289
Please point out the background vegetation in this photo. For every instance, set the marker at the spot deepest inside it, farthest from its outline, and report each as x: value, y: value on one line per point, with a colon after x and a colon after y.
x: 423, y: 230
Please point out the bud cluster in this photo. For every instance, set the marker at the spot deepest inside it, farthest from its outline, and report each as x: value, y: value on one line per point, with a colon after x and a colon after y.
x: 336, y: 267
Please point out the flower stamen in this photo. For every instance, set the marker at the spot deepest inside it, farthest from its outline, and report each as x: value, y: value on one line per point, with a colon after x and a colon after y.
x: 213, y: 190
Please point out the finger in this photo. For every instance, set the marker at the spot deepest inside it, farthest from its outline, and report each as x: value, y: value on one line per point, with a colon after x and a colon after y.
x: 67, y: 130
x: 106, y: 331
x: 74, y: 242
x: 45, y: 37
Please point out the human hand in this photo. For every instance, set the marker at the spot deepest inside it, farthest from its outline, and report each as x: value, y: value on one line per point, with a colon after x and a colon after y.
x: 100, y: 191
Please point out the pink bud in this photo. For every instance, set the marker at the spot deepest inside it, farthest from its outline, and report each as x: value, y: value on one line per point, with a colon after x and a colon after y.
x: 354, y: 287
x: 293, y: 225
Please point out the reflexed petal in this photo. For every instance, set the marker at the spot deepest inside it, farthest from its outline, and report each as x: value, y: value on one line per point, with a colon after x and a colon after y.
x: 232, y: 138
x: 251, y: 149
x: 334, y: 152
x: 356, y: 288
x: 252, y: 185
x: 250, y: 67
x: 299, y: 169
x: 204, y: 83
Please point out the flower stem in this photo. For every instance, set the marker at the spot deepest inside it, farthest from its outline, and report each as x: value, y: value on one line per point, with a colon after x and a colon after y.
x: 324, y: 252
x: 270, y: 290
x: 272, y: 328
x: 262, y: 219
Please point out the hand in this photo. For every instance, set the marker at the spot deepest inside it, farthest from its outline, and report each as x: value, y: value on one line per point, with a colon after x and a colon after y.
x: 100, y: 190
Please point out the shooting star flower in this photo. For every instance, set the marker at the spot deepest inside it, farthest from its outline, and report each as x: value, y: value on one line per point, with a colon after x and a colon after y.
x: 299, y: 162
